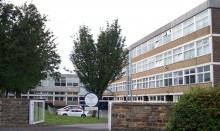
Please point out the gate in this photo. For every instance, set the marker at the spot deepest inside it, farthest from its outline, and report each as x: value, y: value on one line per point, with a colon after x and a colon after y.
x: 36, y: 111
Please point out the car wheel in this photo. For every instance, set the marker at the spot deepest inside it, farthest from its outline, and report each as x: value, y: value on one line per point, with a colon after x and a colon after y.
x: 64, y: 114
x: 83, y: 115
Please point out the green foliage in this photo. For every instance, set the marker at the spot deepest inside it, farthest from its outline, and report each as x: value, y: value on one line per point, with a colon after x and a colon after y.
x: 99, y: 64
x: 27, y: 48
x: 197, y: 110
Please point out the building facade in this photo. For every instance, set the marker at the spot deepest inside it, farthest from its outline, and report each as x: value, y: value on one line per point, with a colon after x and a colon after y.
x: 184, y: 53
x: 60, y: 92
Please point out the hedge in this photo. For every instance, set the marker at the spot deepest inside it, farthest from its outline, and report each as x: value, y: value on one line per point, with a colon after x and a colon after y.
x: 197, y: 110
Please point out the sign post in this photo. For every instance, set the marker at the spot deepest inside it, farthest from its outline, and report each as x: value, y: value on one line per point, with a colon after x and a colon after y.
x: 91, y: 100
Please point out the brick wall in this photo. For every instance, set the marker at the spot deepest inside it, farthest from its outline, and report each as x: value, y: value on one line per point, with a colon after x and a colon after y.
x: 14, y: 111
x: 140, y: 116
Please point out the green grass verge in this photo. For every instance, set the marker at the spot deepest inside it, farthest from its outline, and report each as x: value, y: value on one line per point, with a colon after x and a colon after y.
x: 53, y: 119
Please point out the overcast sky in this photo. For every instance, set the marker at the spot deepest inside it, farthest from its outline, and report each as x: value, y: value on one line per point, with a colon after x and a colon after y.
x: 137, y: 18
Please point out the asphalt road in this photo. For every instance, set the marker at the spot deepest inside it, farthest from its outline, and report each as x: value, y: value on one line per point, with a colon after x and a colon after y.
x: 80, y: 127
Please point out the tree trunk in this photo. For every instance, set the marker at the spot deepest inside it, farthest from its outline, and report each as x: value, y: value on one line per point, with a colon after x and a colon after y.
x: 18, y: 94
x: 94, y: 113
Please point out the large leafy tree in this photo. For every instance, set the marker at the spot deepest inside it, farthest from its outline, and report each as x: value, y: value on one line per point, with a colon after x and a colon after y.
x: 27, y: 48
x: 97, y: 64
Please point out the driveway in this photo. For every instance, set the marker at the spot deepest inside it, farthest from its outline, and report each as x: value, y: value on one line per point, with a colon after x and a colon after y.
x: 80, y: 127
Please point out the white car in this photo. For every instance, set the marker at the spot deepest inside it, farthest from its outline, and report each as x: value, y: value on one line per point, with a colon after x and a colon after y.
x: 68, y: 107
x: 74, y: 112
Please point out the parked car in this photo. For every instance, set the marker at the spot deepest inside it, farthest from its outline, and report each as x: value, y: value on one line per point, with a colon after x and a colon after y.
x: 68, y: 107
x: 74, y: 112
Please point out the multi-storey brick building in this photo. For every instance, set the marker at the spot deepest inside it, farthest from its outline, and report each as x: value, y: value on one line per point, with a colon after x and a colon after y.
x: 182, y: 54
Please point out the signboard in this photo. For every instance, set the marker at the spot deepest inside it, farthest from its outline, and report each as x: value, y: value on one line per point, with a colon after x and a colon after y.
x: 91, y: 108
x: 91, y: 99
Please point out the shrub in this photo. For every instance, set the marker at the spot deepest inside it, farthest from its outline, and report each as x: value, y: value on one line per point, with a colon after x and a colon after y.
x: 197, y: 110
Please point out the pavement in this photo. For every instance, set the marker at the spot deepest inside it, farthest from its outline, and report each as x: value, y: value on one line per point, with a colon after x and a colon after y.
x: 79, y: 127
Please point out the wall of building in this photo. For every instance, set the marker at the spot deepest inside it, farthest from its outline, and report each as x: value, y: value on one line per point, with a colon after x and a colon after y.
x: 140, y: 116
x: 14, y: 111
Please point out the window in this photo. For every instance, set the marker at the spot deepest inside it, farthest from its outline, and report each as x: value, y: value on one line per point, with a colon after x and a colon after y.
x: 63, y: 81
x: 203, y: 47
x: 178, y: 78
x: 151, y: 63
x: 145, y: 82
x: 133, y: 68
x: 153, y: 98
x: 167, y: 37
x: 203, y: 74
x: 189, y: 51
x: 190, y: 76
x: 159, y: 60
x: 57, y: 82
x: 152, y: 82
x: 168, y: 58
x: 160, y: 98
x: 138, y: 69
x: 168, y: 79
x: 188, y: 26
x: 202, y: 20
x: 144, y: 48
x: 144, y: 65
x: 177, y: 31
x: 134, y: 85
x: 138, y: 50
x: 177, y: 54
x: 131, y: 53
x: 139, y: 84
x: 134, y: 53
x: 159, y: 81
x: 150, y: 45
x: 158, y: 41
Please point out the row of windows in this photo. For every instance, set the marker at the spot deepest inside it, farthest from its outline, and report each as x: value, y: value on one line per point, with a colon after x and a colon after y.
x: 188, y: 51
x: 117, y: 87
x: 192, y: 24
x: 183, y: 77
x: 153, y: 98
x: 63, y: 81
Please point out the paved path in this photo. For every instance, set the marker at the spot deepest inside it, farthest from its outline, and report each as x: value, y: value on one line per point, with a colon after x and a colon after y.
x: 80, y: 127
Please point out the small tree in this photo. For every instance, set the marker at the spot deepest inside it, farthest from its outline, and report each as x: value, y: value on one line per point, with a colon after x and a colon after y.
x: 99, y: 64
x: 197, y: 110
x: 27, y: 48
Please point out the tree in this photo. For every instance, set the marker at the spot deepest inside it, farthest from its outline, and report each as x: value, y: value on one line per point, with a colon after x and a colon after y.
x: 99, y: 64
x: 27, y: 48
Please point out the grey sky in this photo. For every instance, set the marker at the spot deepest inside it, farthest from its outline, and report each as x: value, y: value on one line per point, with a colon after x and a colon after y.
x: 137, y: 18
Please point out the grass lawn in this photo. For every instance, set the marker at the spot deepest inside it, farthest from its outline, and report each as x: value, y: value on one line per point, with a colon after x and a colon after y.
x: 51, y: 119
